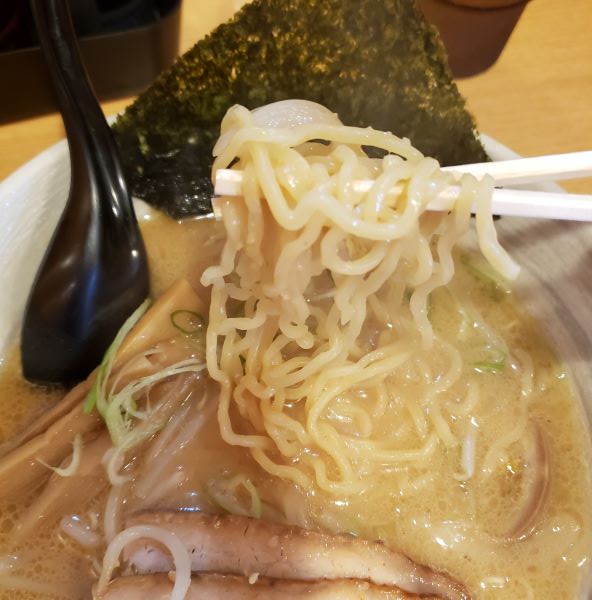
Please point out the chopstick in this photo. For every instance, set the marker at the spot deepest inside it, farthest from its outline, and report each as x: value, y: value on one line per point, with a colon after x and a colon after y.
x: 528, y: 203
x: 553, y: 167
x: 516, y: 203
x: 507, y: 202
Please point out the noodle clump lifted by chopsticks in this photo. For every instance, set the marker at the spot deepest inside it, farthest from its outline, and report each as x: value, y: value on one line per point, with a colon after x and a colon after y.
x: 322, y: 292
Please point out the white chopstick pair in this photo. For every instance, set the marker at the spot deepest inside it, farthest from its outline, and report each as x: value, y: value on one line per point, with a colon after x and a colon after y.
x: 507, y: 202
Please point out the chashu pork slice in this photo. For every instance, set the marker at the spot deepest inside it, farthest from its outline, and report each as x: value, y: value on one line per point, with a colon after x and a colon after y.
x: 243, y: 546
x: 233, y: 587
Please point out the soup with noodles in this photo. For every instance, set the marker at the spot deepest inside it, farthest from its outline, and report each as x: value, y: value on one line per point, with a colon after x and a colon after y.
x: 319, y: 357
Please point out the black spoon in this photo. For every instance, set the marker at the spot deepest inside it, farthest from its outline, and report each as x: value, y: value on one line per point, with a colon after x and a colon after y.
x: 95, y: 272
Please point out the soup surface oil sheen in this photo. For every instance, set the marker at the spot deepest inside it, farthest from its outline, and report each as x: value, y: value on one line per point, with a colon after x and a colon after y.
x: 437, y: 513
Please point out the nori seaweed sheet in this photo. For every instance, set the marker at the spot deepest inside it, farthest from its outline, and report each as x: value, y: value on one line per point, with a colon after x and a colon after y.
x: 374, y: 62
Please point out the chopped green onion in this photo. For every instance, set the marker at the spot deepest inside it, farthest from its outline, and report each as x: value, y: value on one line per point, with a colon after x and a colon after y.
x: 255, y: 499
x: 96, y: 396
x: 74, y: 462
x: 187, y: 322
x: 497, y: 287
x: 494, y: 366
x: 225, y: 493
x: 118, y: 409
x: 121, y: 407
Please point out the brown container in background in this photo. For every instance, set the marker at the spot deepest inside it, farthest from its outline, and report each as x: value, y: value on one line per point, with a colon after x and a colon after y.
x: 473, y: 31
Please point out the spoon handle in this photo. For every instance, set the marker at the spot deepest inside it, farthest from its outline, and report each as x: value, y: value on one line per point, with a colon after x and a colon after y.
x: 92, y: 148
x: 95, y: 272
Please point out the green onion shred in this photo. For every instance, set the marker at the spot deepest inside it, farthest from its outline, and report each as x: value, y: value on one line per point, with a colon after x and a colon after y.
x: 96, y: 396
x: 188, y: 322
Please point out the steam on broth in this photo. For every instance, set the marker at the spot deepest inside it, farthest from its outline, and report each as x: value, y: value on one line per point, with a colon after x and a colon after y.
x: 486, y: 474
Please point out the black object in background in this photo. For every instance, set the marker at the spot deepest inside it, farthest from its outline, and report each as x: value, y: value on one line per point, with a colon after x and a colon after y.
x: 125, y: 44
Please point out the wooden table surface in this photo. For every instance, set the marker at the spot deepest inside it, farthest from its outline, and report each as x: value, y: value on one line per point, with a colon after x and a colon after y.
x: 536, y: 99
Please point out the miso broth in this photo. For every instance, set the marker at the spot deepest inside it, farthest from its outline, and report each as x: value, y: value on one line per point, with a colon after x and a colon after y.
x: 465, y: 514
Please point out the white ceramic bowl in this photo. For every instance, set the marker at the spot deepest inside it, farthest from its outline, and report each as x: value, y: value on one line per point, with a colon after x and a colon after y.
x: 555, y: 283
